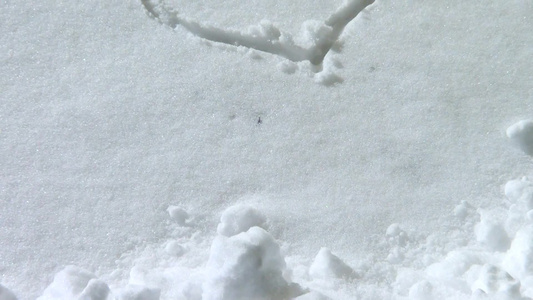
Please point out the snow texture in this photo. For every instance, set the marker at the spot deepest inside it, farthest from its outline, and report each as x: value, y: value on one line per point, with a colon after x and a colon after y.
x: 210, y: 149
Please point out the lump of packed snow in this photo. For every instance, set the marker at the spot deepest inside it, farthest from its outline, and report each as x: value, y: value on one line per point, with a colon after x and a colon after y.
x: 328, y: 78
x: 178, y: 214
x: 514, y: 189
x: 6, y: 294
x: 397, y: 235
x: 456, y: 263
x: 248, y: 265
x: 173, y: 248
x: 395, y: 256
x: 422, y: 290
x: 138, y: 292
x: 96, y: 290
x: 239, y: 218
x: 492, y: 235
x: 71, y: 283
x: 265, y: 29
x: 461, y: 210
x: 288, y: 67
x: 492, y: 279
x: 327, y: 266
x: 312, y: 296
x: 521, y: 133
x: 518, y: 260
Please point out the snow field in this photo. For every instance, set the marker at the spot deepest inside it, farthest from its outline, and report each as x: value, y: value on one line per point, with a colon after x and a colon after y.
x: 106, y: 118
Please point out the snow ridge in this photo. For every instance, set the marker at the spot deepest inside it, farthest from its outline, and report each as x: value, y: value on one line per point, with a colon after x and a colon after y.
x: 267, y: 37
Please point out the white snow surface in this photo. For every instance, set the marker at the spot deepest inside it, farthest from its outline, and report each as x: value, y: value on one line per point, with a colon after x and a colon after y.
x: 136, y: 158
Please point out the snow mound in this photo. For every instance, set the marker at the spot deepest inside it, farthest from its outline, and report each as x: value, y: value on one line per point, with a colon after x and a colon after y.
x: 327, y: 265
x: 6, y: 294
x: 521, y: 133
x: 248, y: 265
x: 498, y: 264
x: 75, y: 283
x: 479, y: 254
x: 239, y: 218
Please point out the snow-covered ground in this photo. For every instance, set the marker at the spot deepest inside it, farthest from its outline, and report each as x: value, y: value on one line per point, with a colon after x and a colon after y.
x: 147, y: 152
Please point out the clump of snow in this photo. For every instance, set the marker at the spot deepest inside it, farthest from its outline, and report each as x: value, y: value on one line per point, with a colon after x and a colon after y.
x: 254, y: 54
x: 496, y: 265
x: 288, y: 67
x: 518, y: 260
x: 327, y: 266
x: 312, y: 31
x: 422, y: 290
x: 514, y: 189
x: 456, y: 263
x: 265, y: 29
x: 314, y: 295
x: 178, y: 214
x: 247, y: 265
x: 397, y: 235
x: 520, y: 194
x: 6, y: 294
x: 521, y: 133
x: 492, y: 234
x: 328, y: 78
x: 76, y: 283
x: 461, y: 210
x: 70, y: 283
x: 395, y: 256
x: 492, y: 279
x: 239, y: 218
x: 96, y: 290
x: 173, y: 248
x: 138, y: 292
